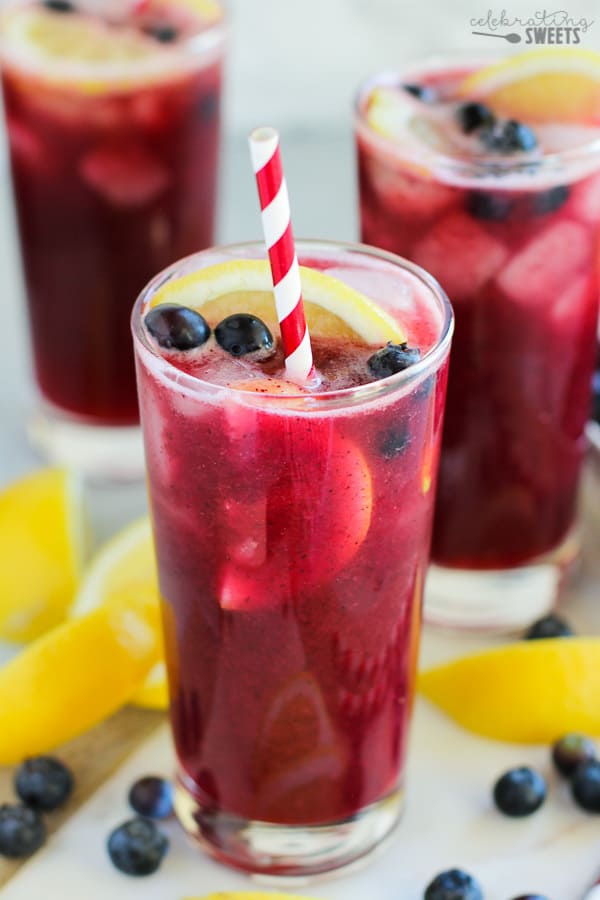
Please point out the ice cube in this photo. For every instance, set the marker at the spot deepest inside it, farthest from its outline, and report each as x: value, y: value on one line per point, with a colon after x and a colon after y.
x: 125, y: 175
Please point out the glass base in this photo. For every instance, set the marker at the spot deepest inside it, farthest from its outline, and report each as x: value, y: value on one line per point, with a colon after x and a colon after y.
x: 295, y: 852
x: 499, y: 600
x: 99, y: 452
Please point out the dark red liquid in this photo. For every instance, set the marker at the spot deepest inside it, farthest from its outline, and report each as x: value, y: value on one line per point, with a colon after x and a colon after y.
x: 521, y: 270
x: 291, y: 549
x: 109, y: 189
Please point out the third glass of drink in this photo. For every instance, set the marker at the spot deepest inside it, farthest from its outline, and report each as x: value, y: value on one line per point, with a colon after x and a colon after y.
x: 489, y: 177
x: 292, y: 526
x: 112, y: 111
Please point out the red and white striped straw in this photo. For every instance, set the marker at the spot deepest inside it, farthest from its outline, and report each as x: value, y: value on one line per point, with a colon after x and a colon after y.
x: 279, y: 238
x: 594, y: 892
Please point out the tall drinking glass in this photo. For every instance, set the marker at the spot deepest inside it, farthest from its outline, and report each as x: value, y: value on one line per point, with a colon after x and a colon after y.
x: 507, y: 217
x: 113, y: 124
x: 292, y: 533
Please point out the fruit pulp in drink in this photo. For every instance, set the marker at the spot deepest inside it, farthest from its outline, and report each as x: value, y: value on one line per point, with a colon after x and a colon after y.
x: 113, y: 126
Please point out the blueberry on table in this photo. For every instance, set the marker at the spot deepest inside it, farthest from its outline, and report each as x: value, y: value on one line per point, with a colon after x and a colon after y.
x: 453, y: 885
x: 492, y: 207
x: 137, y: 847
x: 22, y: 831
x: 421, y: 92
x: 152, y: 797
x: 585, y: 786
x: 549, y: 201
x: 508, y: 137
x: 530, y: 897
x: 571, y: 751
x: 548, y: 627
x: 519, y: 792
x: 62, y: 6
x: 242, y: 334
x: 392, y: 358
x: 471, y: 116
x: 177, y: 327
x: 43, y: 783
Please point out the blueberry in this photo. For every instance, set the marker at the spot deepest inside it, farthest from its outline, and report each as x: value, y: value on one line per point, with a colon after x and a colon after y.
x: 596, y: 396
x: 472, y: 116
x: 177, y: 327
x: 152, y: 797
x: 242, y: 334
x: 421, y: 92
x: 585, y: 785
x: 550, y: 200
x: 166, y: 34
x: 508, y: 137
x: 392, y: 358
x: 44, y: 783
x: 137, y: 847
x: 571, y: 751
x: 61, y: 6
x: 394, y: 442
x: 530, y: 897
x: 453, y: 885
x: 548, y: 627
x: 490, y: 207
x: 22, y: 831
x: 208, y: 107
x: 519, y: 792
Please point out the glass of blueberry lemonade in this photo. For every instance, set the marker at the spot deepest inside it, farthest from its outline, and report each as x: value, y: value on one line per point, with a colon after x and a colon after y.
x: 112, y: 114
x: 488, y: 176
x: 292, y: 528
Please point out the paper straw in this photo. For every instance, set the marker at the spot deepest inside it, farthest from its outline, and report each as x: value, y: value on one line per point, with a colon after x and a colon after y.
x: 594, y: 892
x: 279, y: 238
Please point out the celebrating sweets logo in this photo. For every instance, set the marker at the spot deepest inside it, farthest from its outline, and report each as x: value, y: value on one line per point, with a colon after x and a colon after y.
x: 542, y: 27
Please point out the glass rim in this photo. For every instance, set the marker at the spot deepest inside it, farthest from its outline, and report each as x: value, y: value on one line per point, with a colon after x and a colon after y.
x: 489, y: 164
x: 200, y: 49
x: 310, y: 401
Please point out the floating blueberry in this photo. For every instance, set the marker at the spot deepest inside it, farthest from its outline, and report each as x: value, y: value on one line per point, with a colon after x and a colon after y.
x: 596, y: 396
x: 394, y: 442
x: 453, y: 885
x: 472, y: 116
x: 549, y: 201
x: 152, y: 797
x: 392, y: 358
x: 571, y: 751
x: 61, y: 6
x: 22, y: 831
x: 242, y: 334
x: 519, y: 792
x: 508, y: 137
x: 422, y: 92
x: 208, y: 107
x: 137, y: 847
x: 493, y: 207
x: 166, y: 34
x: 177, y: 327
x: 585, y: 786
x: 44, y: 783
x: 548, y: 627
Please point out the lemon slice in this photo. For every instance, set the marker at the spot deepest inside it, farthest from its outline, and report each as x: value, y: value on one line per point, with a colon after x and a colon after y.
x: 76, y: 675
x: 89, y: 53
x: 41, y: 552
x: 553, y: 84
x: 530, y: 692
x: 126, y: 565
x: 332, y: 308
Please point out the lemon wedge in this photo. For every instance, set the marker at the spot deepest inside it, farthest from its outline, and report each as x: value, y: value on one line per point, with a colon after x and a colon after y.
x: 530, y: 692
x: 76, y: 675
x: 41, y: 552
x: 126, y: 565
x: 553, y: 84
x: 332, y: 308
x: 248, y: 895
